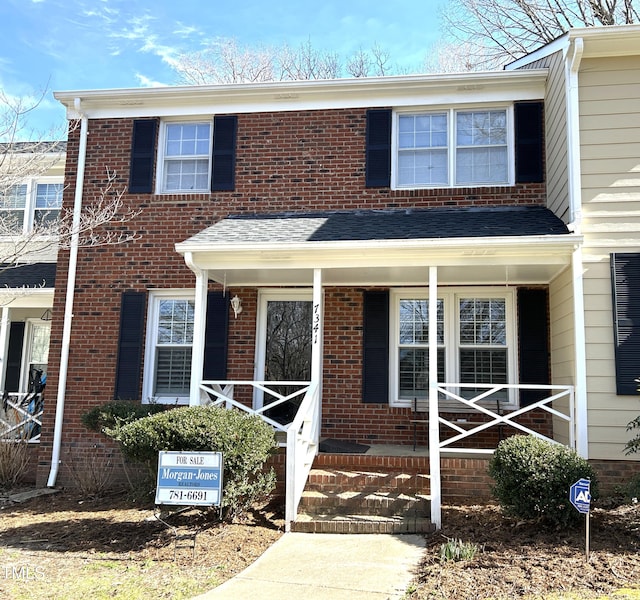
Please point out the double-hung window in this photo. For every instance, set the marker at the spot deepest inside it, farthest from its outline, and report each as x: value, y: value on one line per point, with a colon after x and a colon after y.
x: 169, y: 343
x: 35, y: 203
x: 185, y: 160
x: 449, y: 148
x: 475, y: 338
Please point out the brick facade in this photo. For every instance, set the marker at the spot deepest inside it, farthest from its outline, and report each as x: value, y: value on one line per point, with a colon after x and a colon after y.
x: 300, y: 160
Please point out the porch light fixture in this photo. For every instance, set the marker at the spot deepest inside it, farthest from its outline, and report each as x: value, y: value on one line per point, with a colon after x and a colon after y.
x: 46, y: 315
x: 236, y: 305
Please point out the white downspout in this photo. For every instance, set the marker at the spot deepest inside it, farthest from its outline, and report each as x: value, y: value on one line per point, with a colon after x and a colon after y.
x: 68, y: 308
x: 575, y: 204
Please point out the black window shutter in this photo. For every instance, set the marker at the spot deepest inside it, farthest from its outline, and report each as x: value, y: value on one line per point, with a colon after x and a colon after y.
x: 625, y: 279
x: 130, y: 344
x: 223, y: 159
x: 143, y: 145
x: 215, y: 337
x: 529, y: 142
x: 378, y: 148
x: 375, y: 351
x: 14, y: 357
x: 533, y: 338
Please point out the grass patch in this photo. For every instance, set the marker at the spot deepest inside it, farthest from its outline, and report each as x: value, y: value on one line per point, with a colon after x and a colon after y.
x: 112, y: 580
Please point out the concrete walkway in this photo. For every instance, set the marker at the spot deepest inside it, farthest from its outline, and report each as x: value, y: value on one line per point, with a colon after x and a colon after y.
x: 324, y: 566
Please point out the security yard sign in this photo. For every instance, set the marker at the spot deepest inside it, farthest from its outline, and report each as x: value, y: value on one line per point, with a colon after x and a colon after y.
x: 189, y: 478
x: 580, y: 495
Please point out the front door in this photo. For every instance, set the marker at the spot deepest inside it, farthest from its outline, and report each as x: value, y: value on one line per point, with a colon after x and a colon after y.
x: 283, y: 348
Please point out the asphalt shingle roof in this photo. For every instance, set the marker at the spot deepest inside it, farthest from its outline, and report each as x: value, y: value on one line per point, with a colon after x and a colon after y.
x: 368, y: 225
x: 31, y: 275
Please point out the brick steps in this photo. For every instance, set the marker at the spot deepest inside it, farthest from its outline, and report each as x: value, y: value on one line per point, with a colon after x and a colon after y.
x: 356, y: 498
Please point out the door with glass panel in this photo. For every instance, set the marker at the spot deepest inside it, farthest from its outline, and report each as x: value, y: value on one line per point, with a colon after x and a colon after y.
x: 283, y: 348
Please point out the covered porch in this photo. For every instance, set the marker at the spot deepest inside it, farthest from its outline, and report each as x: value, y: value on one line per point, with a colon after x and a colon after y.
x: 431, y: 250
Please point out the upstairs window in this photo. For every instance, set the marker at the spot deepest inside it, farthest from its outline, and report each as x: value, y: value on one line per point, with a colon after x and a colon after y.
x: 185, y: 157
x: 453, y: 148
x: 34, y: 203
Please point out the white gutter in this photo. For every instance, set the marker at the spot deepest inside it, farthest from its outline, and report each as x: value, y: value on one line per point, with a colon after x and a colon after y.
x: 572, y: 68
x: 68, y: 309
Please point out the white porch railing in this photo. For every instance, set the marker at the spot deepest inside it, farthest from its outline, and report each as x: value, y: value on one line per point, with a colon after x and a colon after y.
x: 20, y: 417
x: 561, y: 395
x: 302, y: 433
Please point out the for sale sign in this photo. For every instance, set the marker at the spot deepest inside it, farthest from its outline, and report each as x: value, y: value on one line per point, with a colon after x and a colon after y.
x: 189, y: 478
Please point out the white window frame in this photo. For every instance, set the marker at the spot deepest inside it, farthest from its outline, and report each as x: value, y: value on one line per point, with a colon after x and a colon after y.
x: 30, y: 199
x: 451, y: 144
x: 450, y: 297
x: 27, y: 350
x: 161, y: 159
x: 151, y: 340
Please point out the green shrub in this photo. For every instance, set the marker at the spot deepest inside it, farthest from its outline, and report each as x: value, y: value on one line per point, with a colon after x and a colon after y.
x: 633, y: 445
x: 533, y: 477
x: 110, y: 417
x: 245, y: 442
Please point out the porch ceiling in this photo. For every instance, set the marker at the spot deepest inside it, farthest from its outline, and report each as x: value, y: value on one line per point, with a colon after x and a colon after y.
x: 472, y: 246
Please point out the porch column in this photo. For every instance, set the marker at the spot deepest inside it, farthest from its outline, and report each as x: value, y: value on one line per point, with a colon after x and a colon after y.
x: 4, y: 342
x: 434, y: 425
x: 199, y: 326
x: 581, y: 413
x: 317, y: 341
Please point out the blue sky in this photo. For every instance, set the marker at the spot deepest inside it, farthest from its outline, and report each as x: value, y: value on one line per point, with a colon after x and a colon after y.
x: 96, y: 44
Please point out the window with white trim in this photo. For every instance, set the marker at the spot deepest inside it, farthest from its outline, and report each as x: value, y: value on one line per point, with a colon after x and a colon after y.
x: 476, y: 341
x: 36, y: 202
x: 169, y: 346
x: 185, y: 156
x: 448, y: 148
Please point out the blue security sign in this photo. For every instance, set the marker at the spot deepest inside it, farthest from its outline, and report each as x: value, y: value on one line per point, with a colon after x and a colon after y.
x: 189, y: 478
x: 580, y: 495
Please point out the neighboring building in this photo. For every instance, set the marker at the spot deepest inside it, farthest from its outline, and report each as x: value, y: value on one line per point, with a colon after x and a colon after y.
x: 593, y: 160
x: 306, y: 233
x: 31, y: 192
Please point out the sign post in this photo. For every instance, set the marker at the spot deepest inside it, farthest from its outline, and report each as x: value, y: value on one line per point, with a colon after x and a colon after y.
x: 189, y: 478
x: 580, y: 496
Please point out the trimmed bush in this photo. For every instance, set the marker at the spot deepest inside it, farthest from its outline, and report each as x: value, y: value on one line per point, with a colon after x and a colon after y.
x: 533, y: 477
x: 110, y: 417
x: 245, y: 441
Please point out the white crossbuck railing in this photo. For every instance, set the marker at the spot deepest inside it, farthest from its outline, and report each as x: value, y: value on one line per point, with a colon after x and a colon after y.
x: 562, y: 396
x: 302, y: 433
x: 20, y: 417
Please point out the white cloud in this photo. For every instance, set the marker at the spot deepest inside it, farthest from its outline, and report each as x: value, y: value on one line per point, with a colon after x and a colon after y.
x: 148, y: 82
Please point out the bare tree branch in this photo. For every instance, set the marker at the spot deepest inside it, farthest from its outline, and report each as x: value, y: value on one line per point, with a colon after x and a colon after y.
x: 497, y: 31
x: 225, y: 61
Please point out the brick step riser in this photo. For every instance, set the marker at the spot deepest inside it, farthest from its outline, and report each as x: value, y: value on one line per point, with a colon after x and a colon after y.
x: 393, y: 482
x: 407, y: 526
x: 382, y: 507
x: 334, y: 488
